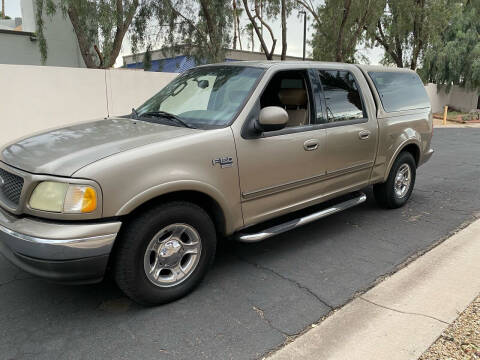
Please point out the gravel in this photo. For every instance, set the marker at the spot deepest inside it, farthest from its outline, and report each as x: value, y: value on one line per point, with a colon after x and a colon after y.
x: 461, y: 340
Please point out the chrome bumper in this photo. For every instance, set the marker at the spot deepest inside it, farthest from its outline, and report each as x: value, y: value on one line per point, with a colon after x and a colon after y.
x: 71, y: 252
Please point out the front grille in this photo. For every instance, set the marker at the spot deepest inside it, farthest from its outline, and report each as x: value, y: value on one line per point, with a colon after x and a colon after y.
x: 10, y: 186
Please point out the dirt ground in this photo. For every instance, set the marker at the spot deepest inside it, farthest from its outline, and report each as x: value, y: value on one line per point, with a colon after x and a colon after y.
x: 461, y: 340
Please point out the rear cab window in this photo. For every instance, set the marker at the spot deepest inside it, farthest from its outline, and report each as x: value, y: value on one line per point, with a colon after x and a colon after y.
x: 400, y: 91
x: 342, y: 96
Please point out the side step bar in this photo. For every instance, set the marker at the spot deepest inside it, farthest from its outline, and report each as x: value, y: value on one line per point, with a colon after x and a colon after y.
x: 289, y: 225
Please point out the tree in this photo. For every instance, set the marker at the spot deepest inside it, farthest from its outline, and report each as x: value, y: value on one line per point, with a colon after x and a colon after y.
x: 406, y: 27
x: 340, y: 26
x: 283, y: 17
x: 453, y: 58
x: 249, y: 28
x: 237, y: 33
x: 259, y: 15
x: 100, y: 26
x: 197, y: 28
x: 147, y: 59
x: 264, y: 10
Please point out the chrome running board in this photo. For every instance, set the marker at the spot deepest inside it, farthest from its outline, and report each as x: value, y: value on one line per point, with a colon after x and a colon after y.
x: 292, y: 224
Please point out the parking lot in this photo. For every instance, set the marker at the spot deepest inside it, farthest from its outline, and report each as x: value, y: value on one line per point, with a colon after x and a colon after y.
x: 257, y: 295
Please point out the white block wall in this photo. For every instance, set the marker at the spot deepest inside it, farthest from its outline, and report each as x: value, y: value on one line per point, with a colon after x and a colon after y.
x: 36, y: 98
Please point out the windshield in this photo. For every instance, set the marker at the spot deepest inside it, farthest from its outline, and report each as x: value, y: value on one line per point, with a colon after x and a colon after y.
x: 207, y: 97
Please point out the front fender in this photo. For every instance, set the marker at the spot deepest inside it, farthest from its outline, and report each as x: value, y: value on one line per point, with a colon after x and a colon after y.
x: 175, y: 186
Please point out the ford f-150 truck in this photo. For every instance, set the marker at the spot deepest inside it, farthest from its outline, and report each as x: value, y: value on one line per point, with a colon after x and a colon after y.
x: 239, y: 150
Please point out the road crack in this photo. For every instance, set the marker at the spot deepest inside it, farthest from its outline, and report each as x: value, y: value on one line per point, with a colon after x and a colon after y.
x: 296, y: 283
x: 403, y: 312
x: 261, y: 314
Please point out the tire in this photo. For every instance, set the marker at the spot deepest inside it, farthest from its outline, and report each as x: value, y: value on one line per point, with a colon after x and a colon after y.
x: 169, y: 232
x: 390, y: 194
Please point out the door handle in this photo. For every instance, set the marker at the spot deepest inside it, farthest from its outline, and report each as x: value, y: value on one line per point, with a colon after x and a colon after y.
x: 364, y: 134
x: 310, y: 145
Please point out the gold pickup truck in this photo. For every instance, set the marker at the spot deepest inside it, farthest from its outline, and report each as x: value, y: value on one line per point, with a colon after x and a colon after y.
x: 239, y: 150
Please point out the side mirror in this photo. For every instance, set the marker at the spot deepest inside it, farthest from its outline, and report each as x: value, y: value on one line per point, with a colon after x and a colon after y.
x: 271, y: 118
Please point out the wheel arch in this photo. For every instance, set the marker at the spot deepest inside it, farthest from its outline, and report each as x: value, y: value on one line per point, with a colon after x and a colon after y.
x: 203, y: 195
x: 412, y: 146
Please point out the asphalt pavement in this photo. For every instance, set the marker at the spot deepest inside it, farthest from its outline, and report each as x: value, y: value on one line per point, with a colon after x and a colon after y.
x: 257, y: 295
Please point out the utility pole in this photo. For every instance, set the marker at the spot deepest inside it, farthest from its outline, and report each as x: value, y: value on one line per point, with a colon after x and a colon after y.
x: 3, y: 9
x: 304, y: 32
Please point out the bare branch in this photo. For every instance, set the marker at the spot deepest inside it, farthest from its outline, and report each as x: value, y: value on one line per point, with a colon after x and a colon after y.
x: 272, y: 35
x: 252, y: 18
x: 310, y: 8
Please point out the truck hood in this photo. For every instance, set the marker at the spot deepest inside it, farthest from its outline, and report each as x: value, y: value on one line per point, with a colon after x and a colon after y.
x: 64, y: 151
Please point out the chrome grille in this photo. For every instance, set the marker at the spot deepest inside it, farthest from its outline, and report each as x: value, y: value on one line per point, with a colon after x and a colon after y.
x: 10, y: 186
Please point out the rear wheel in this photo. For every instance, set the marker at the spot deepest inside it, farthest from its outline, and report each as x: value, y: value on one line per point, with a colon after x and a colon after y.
x: 396, y: 191
x: 164, y: 253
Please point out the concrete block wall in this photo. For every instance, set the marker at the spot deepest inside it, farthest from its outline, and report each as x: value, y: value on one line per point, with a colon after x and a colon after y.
x: 457, y: 98
x: 37, y: 98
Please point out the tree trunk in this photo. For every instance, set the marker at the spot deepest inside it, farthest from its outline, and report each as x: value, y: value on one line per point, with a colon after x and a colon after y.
x: 253, y: 41
x: 239, y: 33
x: 397, y: 57
x: 211, y: 29
x: 234, y: 6
x: 268, y: 54
x: 284, y: 30
x: 417, y: 33
x: 339, y: 46
x: 122, y: 28
x: 3, y: 9
x: 85, y: 48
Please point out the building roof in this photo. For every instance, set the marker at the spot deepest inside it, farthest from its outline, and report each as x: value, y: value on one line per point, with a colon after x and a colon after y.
x: 230, y: 54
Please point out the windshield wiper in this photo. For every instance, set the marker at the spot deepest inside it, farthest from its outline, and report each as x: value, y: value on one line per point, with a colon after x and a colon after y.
x: 168, y: 116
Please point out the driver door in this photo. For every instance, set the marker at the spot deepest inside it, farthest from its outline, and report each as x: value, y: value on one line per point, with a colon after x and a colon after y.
x: 281, y: 171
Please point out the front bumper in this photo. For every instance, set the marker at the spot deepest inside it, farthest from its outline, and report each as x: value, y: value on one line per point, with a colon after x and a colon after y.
x: 62, y: 252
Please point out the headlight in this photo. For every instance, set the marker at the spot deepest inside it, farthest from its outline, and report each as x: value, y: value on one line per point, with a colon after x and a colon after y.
x: 62, y: 197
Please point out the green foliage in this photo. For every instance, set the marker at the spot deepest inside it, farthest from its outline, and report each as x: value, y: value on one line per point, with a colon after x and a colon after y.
x: 340, y: 26
x: 406, y: 27
x: 196, y: 28
x: 6, y: 16
x: 453, y: 58
x: 100, y: 26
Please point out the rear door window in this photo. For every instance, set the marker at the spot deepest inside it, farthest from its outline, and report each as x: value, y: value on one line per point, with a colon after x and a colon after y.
x: 400, y: 90
x: 342, y: 96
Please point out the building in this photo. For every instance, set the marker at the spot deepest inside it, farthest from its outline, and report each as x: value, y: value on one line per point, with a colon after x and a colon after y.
x: 20, y: 46
x: 164, y: 61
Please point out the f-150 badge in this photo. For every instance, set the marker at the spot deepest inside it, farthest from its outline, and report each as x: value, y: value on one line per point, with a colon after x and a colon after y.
x: 224, y: 162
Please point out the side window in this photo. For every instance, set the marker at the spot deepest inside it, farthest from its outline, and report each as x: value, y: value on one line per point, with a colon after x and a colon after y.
x: 342, y: 97
x: 400, y: 90
x: 289, y: 90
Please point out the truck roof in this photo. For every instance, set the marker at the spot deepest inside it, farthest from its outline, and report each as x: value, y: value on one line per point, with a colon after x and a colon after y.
x: 290, y: 63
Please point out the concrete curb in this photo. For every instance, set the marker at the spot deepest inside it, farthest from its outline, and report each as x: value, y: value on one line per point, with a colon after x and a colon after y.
x: 402, y: 316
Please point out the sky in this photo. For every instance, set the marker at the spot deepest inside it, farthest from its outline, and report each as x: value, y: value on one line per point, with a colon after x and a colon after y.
x: 12, y: 8
x: 294, y: 35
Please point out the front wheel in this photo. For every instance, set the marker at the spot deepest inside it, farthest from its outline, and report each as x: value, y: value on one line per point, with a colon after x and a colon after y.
x: 164, y: 253
x: 396, y: 191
